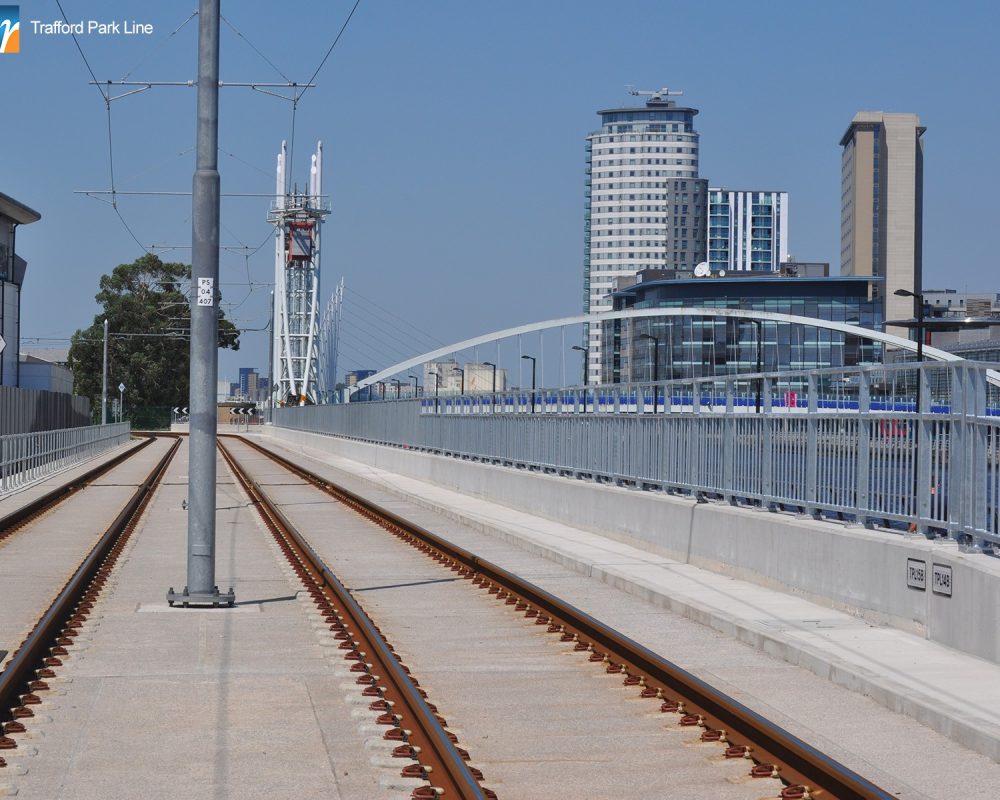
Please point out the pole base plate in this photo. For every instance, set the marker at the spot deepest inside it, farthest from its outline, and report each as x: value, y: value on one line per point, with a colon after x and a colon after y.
x: 215, y: 598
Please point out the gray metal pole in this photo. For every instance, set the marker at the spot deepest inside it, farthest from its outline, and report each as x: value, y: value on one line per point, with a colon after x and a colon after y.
x: 201, y: 588
x: 104, y: 379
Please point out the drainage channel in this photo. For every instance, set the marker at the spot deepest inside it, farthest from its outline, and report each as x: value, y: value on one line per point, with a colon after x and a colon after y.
x: 769, y: 750
x: 432, y: 752
x: 42, y: 652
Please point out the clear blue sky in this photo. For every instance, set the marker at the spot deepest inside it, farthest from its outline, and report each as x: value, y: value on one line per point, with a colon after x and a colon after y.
x: 454, y: 141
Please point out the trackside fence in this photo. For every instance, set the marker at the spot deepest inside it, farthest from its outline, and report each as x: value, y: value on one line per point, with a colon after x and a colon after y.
x: 33, y: 410
x: 29, y: 457
x: 902, y: 446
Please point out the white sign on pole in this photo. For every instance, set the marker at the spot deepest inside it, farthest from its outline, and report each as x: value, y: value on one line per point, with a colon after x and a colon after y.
x: 121, y: 387
x: 206, y: 291
x: 3, y: 344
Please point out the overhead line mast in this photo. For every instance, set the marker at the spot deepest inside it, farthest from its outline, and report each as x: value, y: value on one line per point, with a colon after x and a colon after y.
x: 297, y: 218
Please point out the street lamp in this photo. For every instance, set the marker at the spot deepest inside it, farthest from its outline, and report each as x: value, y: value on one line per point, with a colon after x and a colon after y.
x: 656, y: 366
x: 398, y: 383
x: 416, y: 385
x: 493, y: 399
x: 918, y: 305
x: 437, y: 385
x: 585, y: 355
x: 759, y: 325
x: 459, y: 369
x: 532, y: 360
x: 490, y: 364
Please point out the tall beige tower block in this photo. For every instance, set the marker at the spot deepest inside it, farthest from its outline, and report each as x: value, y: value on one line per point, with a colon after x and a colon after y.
x: 881, y: 206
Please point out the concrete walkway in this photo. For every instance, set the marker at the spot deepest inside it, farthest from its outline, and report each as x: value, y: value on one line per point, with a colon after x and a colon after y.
x: 956, y: 694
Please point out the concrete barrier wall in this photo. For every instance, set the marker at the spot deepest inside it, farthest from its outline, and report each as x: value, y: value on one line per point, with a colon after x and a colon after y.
x: 852, y: 569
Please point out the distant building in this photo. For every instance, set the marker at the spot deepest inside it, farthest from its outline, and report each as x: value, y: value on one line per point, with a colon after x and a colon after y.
x: 644, y: 202
x: 12, y: 269
x: 881, y: 213
x: 747, y: 230
x: 249, y: 381
x: 442, y: 377
x: 45, y: 368
x: 696, y: 347
x: 479, y: 378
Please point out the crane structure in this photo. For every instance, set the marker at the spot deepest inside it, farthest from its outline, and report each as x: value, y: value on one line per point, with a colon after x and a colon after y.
x: 296, y: 373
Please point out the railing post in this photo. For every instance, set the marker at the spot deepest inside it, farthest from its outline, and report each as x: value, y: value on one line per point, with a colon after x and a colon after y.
x: 812, y: 447
x: 975, y: 413
x: 729, y: 446
x: 766, y: 423
x: 862, y: 474
x: 922, y: 485
x: 956, y: 455
x: 693, y: 451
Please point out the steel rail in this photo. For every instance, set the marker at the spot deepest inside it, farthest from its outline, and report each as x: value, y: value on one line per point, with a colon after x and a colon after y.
x: 46, y: 642
x: 16, y: 519
x: 428, y: 741
x: 748, y: 734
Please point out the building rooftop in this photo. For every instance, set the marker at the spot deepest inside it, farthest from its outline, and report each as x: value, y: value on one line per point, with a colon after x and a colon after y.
x: 17, y: 211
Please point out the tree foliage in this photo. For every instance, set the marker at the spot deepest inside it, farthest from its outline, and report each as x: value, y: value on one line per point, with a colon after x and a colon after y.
x: 148, y: 296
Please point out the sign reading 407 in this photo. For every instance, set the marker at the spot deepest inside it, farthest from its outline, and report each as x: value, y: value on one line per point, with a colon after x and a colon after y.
x: 206, y: 291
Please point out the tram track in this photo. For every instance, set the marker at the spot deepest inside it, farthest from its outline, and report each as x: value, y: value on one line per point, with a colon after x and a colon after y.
x: 412, y: 721
x: 39, y: 656
x: 766, y: 748
x: 25, y: 515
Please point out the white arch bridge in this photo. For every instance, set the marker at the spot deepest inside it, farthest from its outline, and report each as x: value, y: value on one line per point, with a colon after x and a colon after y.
x: 931, y: 353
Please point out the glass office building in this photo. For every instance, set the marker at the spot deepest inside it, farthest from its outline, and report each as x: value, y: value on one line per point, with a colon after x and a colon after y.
x: 696, y: 347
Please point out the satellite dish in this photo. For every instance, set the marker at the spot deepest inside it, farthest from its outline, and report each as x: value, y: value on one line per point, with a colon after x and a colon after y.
x: 702, y: 270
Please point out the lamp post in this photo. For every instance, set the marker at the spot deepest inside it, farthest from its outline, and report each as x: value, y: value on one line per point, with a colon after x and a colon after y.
x: 759, y: 326
x: 104, y: 379
x: 490, y: 364
x: 398, y: 383
x: 585, y: 355
x: 493, y: 399
x: 437, y: 385
x: 462, y: 371
x: 532, y: 360
x: 416, y: 385
x: 656, y: 366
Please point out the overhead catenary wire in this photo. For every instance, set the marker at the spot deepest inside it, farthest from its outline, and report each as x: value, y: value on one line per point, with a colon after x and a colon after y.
x: 298, y: 95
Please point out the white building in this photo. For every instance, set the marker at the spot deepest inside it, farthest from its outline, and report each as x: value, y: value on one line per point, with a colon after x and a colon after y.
x: 747, y: 230
x: 645, y: 204
x: 452, y: 379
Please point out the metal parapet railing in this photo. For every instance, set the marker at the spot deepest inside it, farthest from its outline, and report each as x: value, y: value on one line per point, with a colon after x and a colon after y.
x: 902, y: 445
x: 26, y: 458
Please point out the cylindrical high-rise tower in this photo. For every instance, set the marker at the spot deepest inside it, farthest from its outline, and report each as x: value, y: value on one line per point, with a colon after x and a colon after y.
x: 645, y: 204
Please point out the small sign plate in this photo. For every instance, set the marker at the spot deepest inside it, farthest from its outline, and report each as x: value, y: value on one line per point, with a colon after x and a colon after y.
x: 206, y: 291
x: 942, y: 580
x: 916, y: 574
x: 121, y: 387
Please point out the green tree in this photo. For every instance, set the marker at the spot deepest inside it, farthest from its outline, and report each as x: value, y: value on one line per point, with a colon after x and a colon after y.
x: 149, y: 316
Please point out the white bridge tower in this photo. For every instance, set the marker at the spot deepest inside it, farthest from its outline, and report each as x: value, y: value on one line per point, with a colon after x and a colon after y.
x: 297, y: 217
